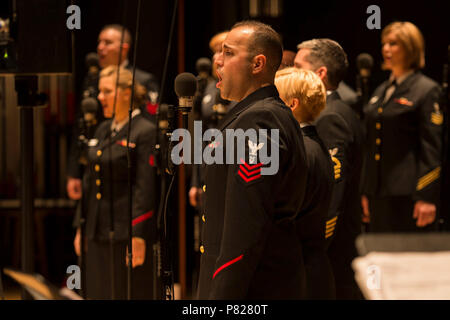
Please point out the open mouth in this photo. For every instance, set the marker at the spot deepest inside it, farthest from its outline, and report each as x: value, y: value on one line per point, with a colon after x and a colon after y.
x: 219, y: 79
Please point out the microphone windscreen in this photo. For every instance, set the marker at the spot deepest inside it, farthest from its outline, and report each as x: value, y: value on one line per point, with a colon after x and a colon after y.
x: 364, y: 61
x: 203, y: 65
x: 89, y: 105
x: 92, y: 60
x: 185, y: 85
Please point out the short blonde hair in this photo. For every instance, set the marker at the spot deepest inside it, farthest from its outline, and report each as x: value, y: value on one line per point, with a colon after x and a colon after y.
x: 125, y: 82
x: 411, y: 40
x: 217, y: 40
x: 304, y: 85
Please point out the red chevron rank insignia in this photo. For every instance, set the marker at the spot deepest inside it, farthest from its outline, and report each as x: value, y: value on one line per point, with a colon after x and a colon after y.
x: 249, y: 172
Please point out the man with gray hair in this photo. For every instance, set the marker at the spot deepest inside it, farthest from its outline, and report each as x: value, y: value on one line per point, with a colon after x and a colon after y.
x: 340, y: 129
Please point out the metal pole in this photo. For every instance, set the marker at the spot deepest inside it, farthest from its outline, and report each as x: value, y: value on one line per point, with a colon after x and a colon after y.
x: 181, y: 168
x: 3, y: 126
x: 27, y: 190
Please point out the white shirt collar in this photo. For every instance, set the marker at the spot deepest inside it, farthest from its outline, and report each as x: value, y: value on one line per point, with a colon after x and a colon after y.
x: 118, y: 126
x: 402, y: 78
x: 305, y: 124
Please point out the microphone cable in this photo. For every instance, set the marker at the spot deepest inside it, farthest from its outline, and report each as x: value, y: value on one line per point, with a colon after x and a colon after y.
x: 130, y: 187
x: 111, y: 206
x: 166, y: 249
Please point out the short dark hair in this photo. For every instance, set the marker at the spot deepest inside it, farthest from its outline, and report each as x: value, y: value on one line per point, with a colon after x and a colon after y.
x: 328, y: 53
x: 126, y: 36
x: 264, y: 40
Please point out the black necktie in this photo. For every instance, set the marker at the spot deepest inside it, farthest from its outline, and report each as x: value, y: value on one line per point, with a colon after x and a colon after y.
x: 392, y: 83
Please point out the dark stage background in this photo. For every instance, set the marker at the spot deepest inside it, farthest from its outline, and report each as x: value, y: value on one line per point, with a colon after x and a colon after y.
x: 343, y: 21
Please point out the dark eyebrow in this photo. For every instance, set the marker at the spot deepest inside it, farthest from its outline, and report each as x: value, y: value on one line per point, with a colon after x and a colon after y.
x: 226, y: 47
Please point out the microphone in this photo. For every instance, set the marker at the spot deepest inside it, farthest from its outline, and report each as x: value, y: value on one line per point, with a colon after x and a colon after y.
x: 86, y: 125
x: 89, y: 107
x: 92, y: 63
x: 185, y: 88
x: 203, y: 67
x: 93, y: 68
x: 364, y: 63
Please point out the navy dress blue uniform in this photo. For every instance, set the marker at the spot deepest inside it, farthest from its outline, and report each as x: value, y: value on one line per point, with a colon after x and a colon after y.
x: 403, y: 156
x: 250, y: 248
x: 341, y: 131
x: 104, y: 184
x: 213, y: 109
x: 312, y: 217
x: 90, y: 89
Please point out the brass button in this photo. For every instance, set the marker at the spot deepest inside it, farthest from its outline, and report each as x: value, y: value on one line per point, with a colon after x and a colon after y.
x: 98, y: 182
x: 99, y: 153
x: 203, y: 218
x: 99, y: 196
x: 202, y: 249
x: 378, y: 126
x: 97, y: 168
x: 380, y: 110
x: 378, y: 141
x: 377, y: 157
x: 204, y: 188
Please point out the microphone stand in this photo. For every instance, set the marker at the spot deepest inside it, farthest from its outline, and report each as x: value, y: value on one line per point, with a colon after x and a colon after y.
x: 130, y: 187
x: 82, y: 139
x: 164, y: 222
x: 167, y: 220
x: 111, y: 202
x: 162, y: 258
x: 27, y: 100
x: 362, y: 91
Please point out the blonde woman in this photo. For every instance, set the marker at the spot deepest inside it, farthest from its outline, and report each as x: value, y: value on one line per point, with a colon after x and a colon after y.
x: 403, y: 145
x: 105, y: 187
x: 305, y: 93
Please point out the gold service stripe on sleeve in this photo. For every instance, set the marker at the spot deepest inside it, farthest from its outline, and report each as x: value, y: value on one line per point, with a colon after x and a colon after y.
x: 428, y: 178
x: 332, y: 220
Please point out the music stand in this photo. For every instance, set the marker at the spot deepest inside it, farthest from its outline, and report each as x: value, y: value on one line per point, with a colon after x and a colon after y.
x: 403, y: 242
x: 39, y: 287
x: 405, y: 266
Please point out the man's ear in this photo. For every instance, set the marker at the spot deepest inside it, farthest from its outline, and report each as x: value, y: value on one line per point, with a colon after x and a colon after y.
x: 259, y: 63
x: 322, y: 72
x: 125, y: 48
